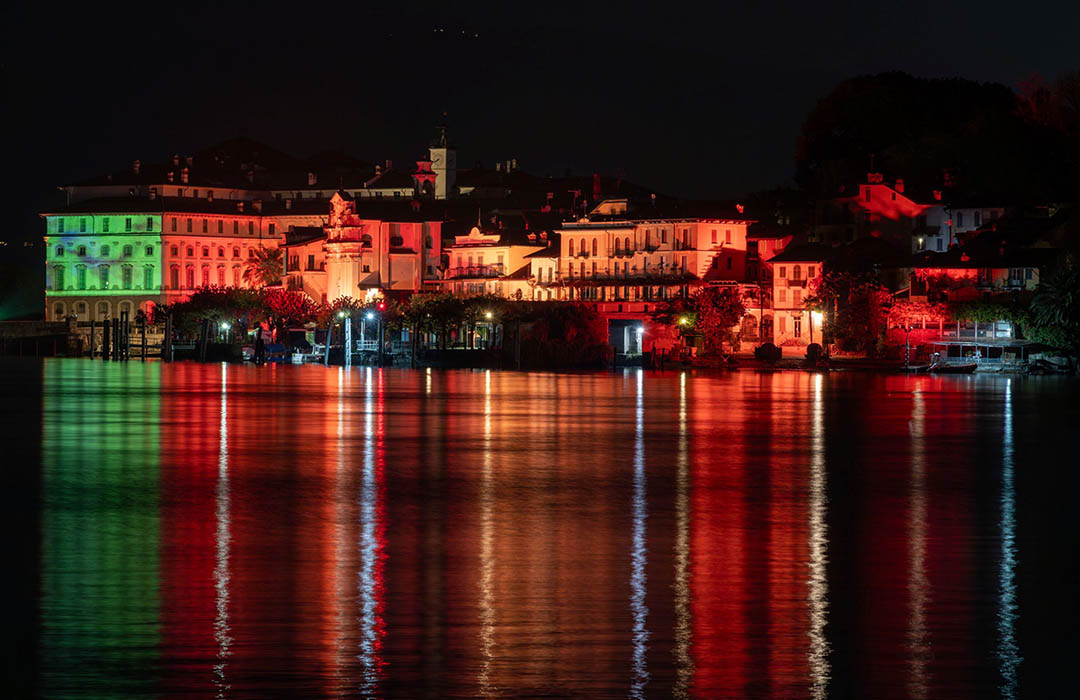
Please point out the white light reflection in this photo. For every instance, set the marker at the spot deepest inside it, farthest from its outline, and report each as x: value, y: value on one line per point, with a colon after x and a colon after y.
x: 427, y: 381
x: 817, y: 584
x: 487, y: 553
x: 684, y: 665
x: 369, y: 627
x: 639, y: 672
x: 918, y: 643
x: 1008, y: 651
x: 223, y: 537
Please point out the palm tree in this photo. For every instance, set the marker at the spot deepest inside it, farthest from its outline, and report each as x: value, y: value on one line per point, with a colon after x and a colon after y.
x: 264, y: 267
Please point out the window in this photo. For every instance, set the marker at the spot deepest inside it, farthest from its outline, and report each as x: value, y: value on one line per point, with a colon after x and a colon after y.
x: 594, y: 269
x: 206, y: 276
x: 311, y: 262
x: 221, y: 252
x: 1029, y: 273
x: 811, y: 271
x: 663, y: 235
x: 80, y: 277
x: 783, y: 295
x: 783, y: 271
x: 58, y: 277
x: 251, y: 253
x: 940, y: 244
x: 149, y: 223
x: 236, y: 252
x: 103, y: 310
x: 126, y: 274
x: 978, y: 219
x: 173, y: 224
x: 206, y: 251
x: 174, y: 277
x: 729, y: 260
x: 58, y: 312
x: 571, y: 247
x: 796, y: 297
x: 236, y: 227
x: 251, y: 227
x: 595, y: 243
x: 59, y: 251
x: 149, y: 250
x: 81, y: 251
x: 174, y: 251
x: 190, y: 277
x: 103, y: 273
x: 271, y: 229
x: 618, y: 245
x: 128, y: 251
x: 104, y: 251
x: 727, y: 235
x: 105, y: 224
x: 205, y: 226
x: 82, y: 225
x: 148, y: 277
x: 796, y: 272
x: 189, y: 225
x: 190, y: 252
x: 60, y: 225
x: 866, y: 194
x: 221, y: 227
x: 783, y: 324
x: 715, y: 240
x: 236, y: 275
x: 221, y: 275
x: 796, y: 327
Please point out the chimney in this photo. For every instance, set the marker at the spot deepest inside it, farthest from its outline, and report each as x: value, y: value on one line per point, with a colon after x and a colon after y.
x: 288, y: 203
x: 312, y: 178
x: 153, y: 190
x: 171, y: 176
x: 258, y: 205
x: 937, y: 195
x: 176, y: 159
x: 184, y: 176
x: 900, y: 186
x: 136, y: 166
x: 240, y: 206
x: 209, y: 195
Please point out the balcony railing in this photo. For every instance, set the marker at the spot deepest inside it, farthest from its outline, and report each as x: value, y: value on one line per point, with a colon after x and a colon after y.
x: 796, y: 282
x: 494, y: 270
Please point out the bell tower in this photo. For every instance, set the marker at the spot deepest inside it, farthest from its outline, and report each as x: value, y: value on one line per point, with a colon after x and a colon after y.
x: 444, y: 164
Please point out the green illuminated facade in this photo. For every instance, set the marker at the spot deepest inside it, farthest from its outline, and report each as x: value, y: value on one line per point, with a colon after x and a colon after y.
x: 97, y: 265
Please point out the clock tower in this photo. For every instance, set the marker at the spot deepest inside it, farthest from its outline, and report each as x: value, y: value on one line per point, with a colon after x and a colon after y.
x: 444, y: 164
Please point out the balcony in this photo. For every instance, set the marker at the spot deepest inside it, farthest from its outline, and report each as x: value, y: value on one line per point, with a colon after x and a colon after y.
x: 494, y: 270
x: 799, y: 282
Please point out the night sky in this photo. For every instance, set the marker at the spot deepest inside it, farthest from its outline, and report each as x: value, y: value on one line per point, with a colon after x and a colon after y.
x: 698, y: 102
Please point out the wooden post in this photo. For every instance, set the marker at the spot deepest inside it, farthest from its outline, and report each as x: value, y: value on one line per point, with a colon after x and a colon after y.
x: 93, y: 334
x: 166, y: 342
x: 204, y: 333
x: 106, y: 346
x: 413, y: 341
x: 347, y: 359
x: 380, y: 342
x: 142, y: 328
x: 114, y: 344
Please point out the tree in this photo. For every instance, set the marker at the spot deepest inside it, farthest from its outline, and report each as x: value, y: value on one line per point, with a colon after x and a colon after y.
x: 1055, y: 311
x: 289, y: 308
x: 264, y: 267
x: 855, y: 304
x: 719, y: 309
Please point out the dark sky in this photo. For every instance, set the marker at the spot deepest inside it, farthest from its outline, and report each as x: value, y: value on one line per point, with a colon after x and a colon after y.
x: 701, y: 102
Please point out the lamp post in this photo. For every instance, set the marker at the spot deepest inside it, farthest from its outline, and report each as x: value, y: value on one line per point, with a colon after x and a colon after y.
x: 347, y: 349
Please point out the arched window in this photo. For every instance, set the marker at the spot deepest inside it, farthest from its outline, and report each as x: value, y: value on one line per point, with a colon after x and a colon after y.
x: 58, y: 311
x: 618, y: 245
x: 796, y: 272
x: 102, y: 310
x: 190, y: 252
x: 128, y: 251
x: 174, y: 277
x: 82, y: 251
x: 59, y: 251
x: 221, y: 275
x: 365, y: 240
x: 206, y: 276
x: 236, y: 252
x: 396, y: 241
x: 251, y: 253
x: 582, y: 249
x: 206, y: 251
x: 124, y: 307
x: 571, y: 247
x: 626, y: 245
x: 236, y: 275
x: 149, y: 250
x: 80, y: 310
x: 221, y: 252
x: 104, y: 251
x: 191, y: 277
x: 595, y: 243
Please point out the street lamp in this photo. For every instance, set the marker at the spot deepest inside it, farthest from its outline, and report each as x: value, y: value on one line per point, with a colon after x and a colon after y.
x: 684, y: 321
x: 488, y: 315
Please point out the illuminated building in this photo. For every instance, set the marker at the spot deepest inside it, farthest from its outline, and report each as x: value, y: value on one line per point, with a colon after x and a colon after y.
x: 795, y: 272
x: 500, y: 262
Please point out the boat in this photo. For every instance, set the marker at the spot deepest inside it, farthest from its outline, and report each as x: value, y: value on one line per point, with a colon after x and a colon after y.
x: 953, y: 369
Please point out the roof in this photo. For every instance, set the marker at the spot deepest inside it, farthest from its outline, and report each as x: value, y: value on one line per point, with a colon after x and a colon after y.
x: 976, y: 257
x: 301, y: 235
x: 803, y: 252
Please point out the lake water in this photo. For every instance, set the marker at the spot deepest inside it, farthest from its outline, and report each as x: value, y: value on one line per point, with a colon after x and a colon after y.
x: 233, y: 531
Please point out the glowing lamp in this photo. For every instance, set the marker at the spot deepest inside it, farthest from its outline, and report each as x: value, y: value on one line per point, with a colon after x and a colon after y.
x: 683, y: 321
x: 341, y: 314
x: 370, y: 315
x: 640, y: 330
x: 815, y: 316
x: 381, y: 305
x: 487, y: 315
x: 224, y: 325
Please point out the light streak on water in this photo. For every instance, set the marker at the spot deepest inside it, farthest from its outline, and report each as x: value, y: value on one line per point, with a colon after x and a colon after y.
x: 487, y: 552
x: 639, y: 671
x: 684, y: 665
x: 222, y: 542
x: 817, y: 585
x: 1008, y: 651
x: 918, y: 643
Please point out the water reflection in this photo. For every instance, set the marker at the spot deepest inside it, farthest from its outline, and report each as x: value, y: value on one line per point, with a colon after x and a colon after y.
x: 221, y: 530
x: 1008, y: 651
